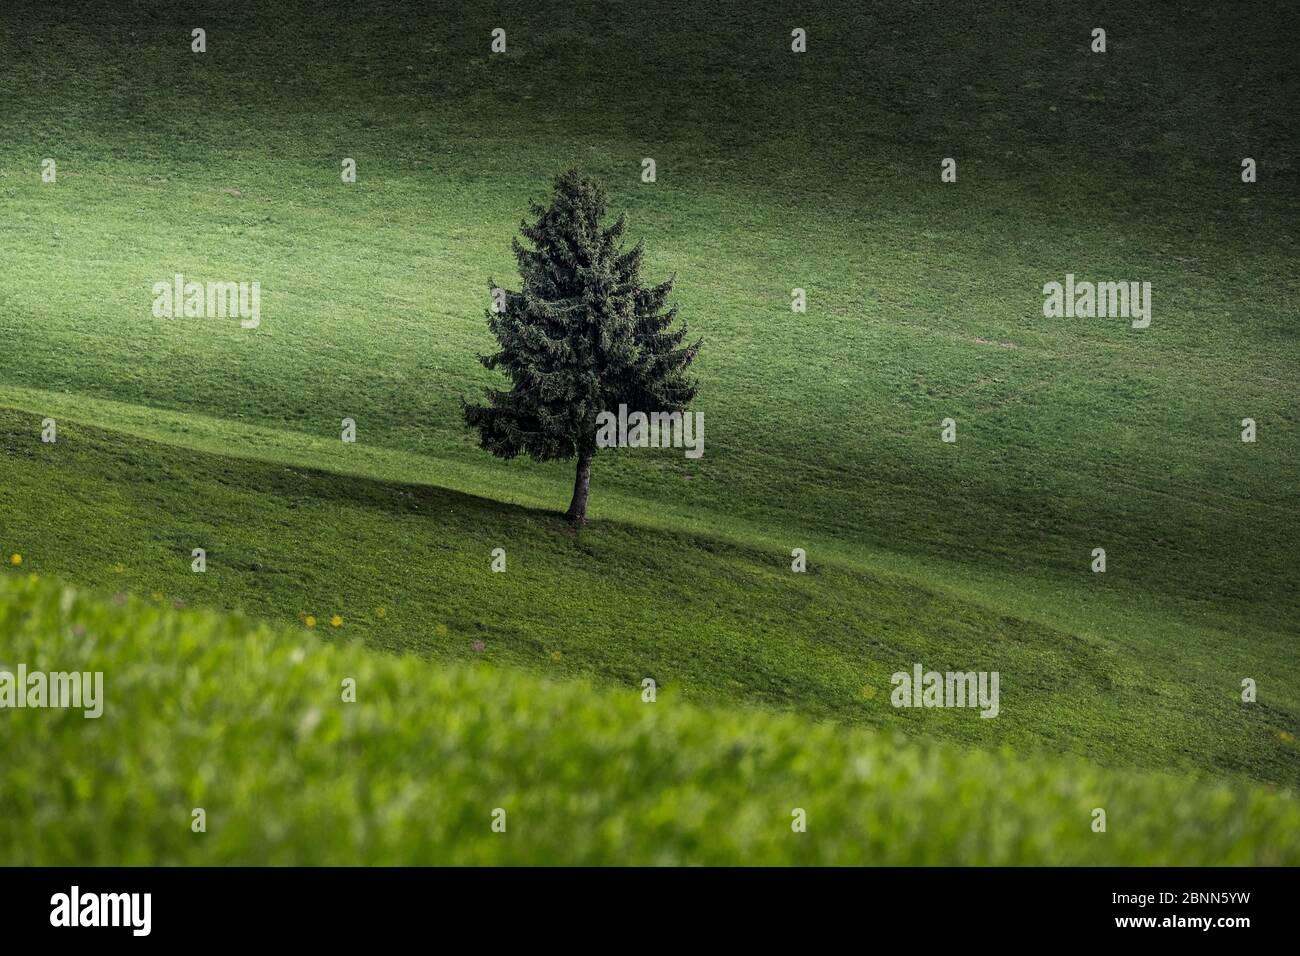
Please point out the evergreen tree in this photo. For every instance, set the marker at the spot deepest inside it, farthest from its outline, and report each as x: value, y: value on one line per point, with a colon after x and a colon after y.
x: 581, y: 336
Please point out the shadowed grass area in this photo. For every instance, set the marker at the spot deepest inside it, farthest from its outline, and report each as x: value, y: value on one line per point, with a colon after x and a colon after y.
x: 207, y: 711
x: 720, y: 621
x: 777, y: 171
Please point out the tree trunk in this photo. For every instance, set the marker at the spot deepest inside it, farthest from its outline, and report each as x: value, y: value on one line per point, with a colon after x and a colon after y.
x: 577, y: 512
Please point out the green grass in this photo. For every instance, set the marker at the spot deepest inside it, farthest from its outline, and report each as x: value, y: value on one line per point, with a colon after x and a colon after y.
x: 208, y: 711
x: 775, y: 172
x: 715, y: 621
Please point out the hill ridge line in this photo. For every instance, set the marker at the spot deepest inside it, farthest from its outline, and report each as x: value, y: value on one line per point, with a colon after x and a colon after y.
x: 924, y: 573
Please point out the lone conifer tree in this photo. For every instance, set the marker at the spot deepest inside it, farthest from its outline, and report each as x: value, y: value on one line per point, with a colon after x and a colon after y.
x: 581, y: 336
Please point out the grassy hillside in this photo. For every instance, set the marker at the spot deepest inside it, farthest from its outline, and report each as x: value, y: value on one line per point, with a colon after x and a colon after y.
x: 776, y: 171
x: 205, y: 711
x: 715, y: 621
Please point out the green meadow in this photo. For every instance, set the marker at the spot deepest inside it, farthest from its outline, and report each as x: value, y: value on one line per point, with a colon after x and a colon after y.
x: 211, y: 712
x: 775, y: 171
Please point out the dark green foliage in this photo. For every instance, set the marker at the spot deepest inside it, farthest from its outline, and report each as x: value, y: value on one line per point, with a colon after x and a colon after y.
x: 581, y: 336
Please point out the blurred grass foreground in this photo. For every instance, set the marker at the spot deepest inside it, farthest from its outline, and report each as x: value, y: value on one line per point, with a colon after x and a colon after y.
x: 463, y: 764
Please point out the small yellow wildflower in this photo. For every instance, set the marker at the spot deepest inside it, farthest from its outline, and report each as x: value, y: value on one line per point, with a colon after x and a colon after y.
x: 15, y: 559
x: 336, y: 621
x: 309, y: 620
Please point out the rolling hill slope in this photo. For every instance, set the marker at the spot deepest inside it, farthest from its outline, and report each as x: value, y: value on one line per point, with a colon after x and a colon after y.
x: 203, y: 711
x: 776, y: 172
x: 716, y: 619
